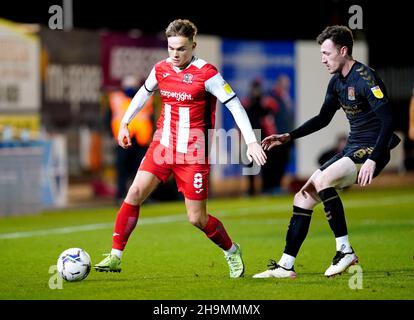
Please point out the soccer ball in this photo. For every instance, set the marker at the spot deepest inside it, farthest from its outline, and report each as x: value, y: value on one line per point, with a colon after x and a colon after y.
x: 74, y: 264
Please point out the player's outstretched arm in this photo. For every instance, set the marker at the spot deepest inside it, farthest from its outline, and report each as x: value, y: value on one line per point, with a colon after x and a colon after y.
x: 314, y: 124
x: 219, y: 88
x: 275, y: 140
x: 137, y: 103
x: 254, y: 150
x: 321, y: 120
x: 411, y: 125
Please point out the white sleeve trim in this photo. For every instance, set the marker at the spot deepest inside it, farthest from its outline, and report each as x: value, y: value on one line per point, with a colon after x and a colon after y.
x: 242, y: 120
x: 141, y: 97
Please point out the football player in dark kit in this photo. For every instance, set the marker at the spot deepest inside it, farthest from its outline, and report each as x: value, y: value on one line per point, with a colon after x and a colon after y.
x: 358, y: 90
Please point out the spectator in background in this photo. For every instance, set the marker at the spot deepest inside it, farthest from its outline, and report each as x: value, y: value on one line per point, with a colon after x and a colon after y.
x: 141, y: 131
x: 256, y: 113
x: 280, y: 118
x: 331, y: 152
x: 409, y: 141
x: 411, y: 123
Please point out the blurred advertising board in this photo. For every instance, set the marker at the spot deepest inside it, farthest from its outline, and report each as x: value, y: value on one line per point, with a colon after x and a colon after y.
x: 72, y: 77
x: 130, y: 53
x: 19, y: 69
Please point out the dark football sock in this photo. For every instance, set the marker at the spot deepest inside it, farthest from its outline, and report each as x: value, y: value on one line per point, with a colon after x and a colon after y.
x: 297, y: 231
x: 334, y: 211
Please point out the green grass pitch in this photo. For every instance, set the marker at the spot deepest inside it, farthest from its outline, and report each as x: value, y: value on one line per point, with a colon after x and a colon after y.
x: 167, y: 258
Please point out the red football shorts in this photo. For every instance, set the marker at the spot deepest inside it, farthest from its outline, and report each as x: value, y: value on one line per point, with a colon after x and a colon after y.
x: 191, y: 175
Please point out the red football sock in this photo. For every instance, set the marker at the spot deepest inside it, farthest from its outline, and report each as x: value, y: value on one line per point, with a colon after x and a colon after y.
x: 125, y: 223
x: 215, y: 231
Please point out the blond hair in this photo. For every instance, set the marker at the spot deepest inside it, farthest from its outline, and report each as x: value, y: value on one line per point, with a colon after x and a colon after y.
x: 181, y: 28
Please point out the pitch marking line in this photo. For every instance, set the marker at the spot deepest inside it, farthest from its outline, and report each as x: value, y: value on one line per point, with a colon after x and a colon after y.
x: 182, y: 217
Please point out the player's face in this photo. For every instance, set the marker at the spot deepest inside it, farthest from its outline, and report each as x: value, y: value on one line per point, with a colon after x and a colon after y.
x: 332, y: 58
x: 180, y: 50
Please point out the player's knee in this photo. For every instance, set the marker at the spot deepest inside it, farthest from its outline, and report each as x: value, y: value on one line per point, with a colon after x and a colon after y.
x: 303, y: 202
x: 196, y: 222
x: 135, y: 194
x: 298, y: 199
x: 197, y: 219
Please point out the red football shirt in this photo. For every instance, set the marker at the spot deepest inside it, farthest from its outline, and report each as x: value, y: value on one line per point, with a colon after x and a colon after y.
x: 188, y: 109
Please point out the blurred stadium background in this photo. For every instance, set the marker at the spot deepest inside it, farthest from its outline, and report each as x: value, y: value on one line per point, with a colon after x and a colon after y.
x: 56, y: 150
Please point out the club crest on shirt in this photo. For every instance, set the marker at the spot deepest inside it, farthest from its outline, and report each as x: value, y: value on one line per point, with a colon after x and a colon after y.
x: 351, y: 93
x: 188, y: 78
x: 377, y: 92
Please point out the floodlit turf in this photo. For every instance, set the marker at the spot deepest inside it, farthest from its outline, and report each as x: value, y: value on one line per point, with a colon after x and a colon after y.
x: 167, y: 258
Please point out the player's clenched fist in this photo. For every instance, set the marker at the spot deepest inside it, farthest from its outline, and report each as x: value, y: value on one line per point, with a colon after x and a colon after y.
x: 124, y: 140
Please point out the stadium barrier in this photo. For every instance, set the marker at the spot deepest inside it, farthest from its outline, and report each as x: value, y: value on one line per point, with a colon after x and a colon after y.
x: 20, y: 179
x: 33, y: 176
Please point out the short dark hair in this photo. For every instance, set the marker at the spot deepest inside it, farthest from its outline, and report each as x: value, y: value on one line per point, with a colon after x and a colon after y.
x: 341, y: 36
x: 181, y: 28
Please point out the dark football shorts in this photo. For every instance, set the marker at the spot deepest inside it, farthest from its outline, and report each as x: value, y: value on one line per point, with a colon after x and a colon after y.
x: 359, y: 155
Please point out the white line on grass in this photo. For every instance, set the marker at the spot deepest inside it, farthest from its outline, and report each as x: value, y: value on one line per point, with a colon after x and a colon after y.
x: 398, y: 200
x: 85, y: 227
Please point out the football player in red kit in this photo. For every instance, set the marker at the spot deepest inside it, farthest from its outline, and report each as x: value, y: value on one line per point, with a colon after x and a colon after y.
x: 189, y: 88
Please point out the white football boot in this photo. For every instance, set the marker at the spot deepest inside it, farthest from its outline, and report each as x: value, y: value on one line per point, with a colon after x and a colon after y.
x: 341, y: 262
x: 276, y: 271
